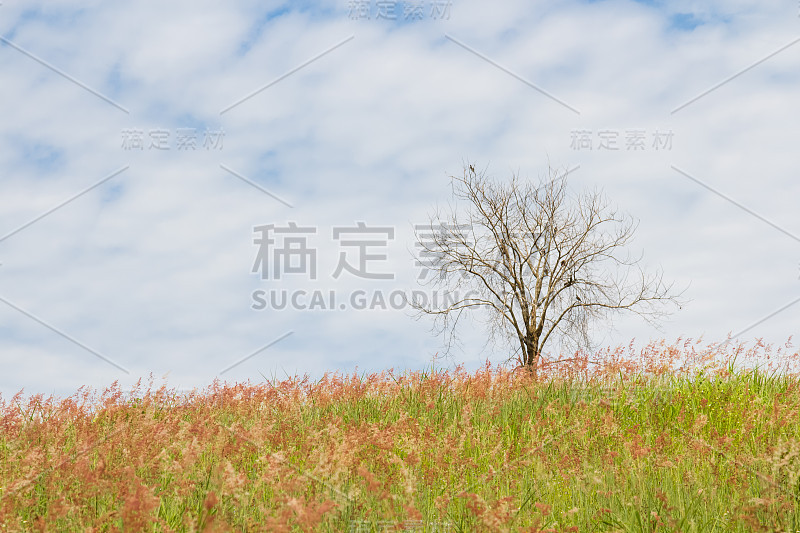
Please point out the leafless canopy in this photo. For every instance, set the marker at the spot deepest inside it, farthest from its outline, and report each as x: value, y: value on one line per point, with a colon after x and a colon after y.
x: 544, y: 265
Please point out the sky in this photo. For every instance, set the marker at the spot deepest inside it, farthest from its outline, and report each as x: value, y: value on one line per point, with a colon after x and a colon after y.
x: 142, y: 144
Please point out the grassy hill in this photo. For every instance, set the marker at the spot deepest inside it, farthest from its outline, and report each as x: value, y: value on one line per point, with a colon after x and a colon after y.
x: 668, y: 438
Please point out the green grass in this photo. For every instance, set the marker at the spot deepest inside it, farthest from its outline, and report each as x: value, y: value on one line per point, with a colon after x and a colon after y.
x: 621, y: 448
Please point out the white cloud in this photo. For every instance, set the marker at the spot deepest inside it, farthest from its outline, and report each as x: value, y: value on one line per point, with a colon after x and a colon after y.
x: 152, y: 268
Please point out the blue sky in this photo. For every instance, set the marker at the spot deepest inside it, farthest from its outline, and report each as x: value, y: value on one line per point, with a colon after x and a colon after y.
x: 118, y: 259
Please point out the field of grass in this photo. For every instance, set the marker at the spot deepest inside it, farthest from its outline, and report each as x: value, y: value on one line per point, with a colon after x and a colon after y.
x: 677, y: 437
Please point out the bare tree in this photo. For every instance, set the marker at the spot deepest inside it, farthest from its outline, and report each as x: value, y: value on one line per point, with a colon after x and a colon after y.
x: 544, y: 264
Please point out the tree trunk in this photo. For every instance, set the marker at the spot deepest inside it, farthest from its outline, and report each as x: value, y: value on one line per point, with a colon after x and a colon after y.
x: 531, y: 350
